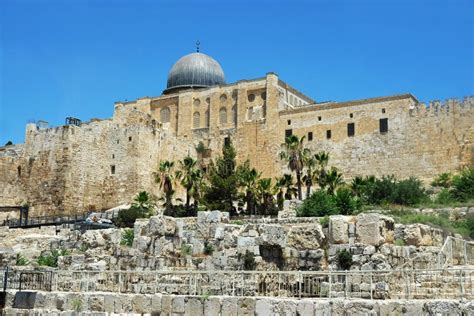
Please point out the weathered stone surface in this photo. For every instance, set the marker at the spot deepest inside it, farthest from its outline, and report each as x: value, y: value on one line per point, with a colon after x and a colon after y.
x: 162, y: 226
x: 338, y: 229
x: 194, y: 307
x: 309, y: 236
x: 374, y: 229
x: 272, y: 235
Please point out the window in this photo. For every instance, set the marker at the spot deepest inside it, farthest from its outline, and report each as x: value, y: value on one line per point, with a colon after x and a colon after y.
x: 350, y: 129
x: 288, y: 133
x: 289, y: 122
x: 383, y: 125
x: 112, y: 169
x: 19, y: 171
x: 383, y: 110
x: 113, y: 156
x: 251, y: 97
x: 130, y: 138
x: 223, y: 116
x: 165, y: 114
x: 197, y: 102
x: 223, y: 98
x: 227, y: 141
x: 196, y: 120
x: 319, y: 118
x: 351, y: 115
x: 328, y: 134
x: 310, y: 136
x: 118, y: 141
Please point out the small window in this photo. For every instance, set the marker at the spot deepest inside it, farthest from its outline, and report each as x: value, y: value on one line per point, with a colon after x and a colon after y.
x: 130, y: 138
x: 350, y: 129
x: 196, y: 120
x: 328, y: 134
x: 113, y: 156
x: 227, y: 141
x: 383, y: 110
x: 251, y: 97
x: 112, y: 169
x: 19, y: 171
x: 319, y: 118
x: 118, y: 141
x: 289, y: 122
x: 165, y: 114
x: 310, y: 136
x: 223, y: 116
x: 288, y: 133
x: 383, y: 125
x: 351, y: 115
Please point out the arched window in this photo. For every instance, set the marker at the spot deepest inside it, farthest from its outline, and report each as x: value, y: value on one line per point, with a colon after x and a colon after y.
x: 223, y: 116
x: 165, y: 114
x: 196, y: 120
x: 234, y: 114
x: 207, y: 118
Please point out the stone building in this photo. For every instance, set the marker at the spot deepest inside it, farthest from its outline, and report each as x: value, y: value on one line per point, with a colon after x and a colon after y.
x: 103, y: 163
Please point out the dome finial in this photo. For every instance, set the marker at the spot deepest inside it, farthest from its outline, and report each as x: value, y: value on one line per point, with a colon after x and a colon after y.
x: 197, y: 45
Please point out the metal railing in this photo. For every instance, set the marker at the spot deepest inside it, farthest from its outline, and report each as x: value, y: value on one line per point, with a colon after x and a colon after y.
x: 391, y: 284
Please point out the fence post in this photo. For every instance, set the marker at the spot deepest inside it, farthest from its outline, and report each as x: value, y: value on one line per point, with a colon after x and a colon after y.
x: 330, y: 284
x: 370, y: 289
x: 5, y: 280
x: 347, y: 282
x: 300, y: 282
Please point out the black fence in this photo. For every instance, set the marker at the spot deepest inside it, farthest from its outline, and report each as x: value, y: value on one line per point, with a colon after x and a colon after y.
x: 26, y: 280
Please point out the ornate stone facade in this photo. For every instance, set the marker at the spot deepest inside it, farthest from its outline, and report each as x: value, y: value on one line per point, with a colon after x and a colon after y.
x: 103, y: 163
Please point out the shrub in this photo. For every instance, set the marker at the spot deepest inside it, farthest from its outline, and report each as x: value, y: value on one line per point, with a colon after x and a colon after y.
x: 127, y: 217
x: 345, y: 202
x: 318, y: 204
x: 463, y: 185
x: 445, y: 197
x: 51, y: 260
x: 408, y: 192
x: 76, y: 304
x: 249, y: 261
x: 344, y: 259
x: 399, y: 242
x: 379, y: 191
x: 127, y: 237
x: 186, y: 250
x: 21, y: 261
x: 324, y: 221
x: 208, y: 248
x: 442, y: 180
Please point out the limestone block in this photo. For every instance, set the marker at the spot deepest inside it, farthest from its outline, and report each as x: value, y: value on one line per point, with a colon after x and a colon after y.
x: 94, y: 238
x: 374, y: 229
x: 96, y: 303
x: 140, y: 228
x: 442, y: 307
x: 246, y: 242
x: 212, y: 306
x: 369, y: 250
x: 305, y: 237
x: 178, y: 304
x: 220, y: 233
x: 264, y: 307
x: 141, y: 303
x: 97, y: 265
x: 305, y: 307
x: 162, y: 226
x: 230, y: 306
x: 272, y: 235
x: 142, y: 243
x: 338, y: 229
x: 194, y: 307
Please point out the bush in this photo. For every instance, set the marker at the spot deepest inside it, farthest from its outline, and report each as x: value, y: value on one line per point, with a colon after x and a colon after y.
x: 51, y: 260
x: 249, y: 261
x: 443, y: 180
x: 399, y: 242
x: 463, y: 186
x: 208, y: 248
x: 345, y: 202
x: 408, y: 192
x: 344, y: 259
x: 76, y: 304
x: 186, y: 250
x: 324, y: 221
x: 127, y: 237
x: 379, y: 191
x: 444, y: 197
x: 127, y: 217
x: 21, y: 261
x: 318, y: 204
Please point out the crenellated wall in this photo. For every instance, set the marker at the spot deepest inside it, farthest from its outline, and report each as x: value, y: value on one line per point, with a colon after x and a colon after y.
x: 68, y: 169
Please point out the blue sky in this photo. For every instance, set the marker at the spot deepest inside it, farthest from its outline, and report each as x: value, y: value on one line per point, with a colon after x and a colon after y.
x: 77, y: 57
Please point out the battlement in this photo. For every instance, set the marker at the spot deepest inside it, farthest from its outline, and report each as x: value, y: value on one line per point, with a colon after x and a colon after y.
x: 447, y: 107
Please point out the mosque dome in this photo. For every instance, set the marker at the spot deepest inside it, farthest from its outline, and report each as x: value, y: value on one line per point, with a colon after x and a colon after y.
x: 195, y: 70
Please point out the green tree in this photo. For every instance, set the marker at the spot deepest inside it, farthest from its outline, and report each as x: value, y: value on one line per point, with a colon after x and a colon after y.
x: 190, y: 175
x: 164, y: 177
x: 285, y: 182
x: 248, y: 178
x: 295, y: 154
x: 144, y: 201
x: 222, y: 190
x: 310, y: 163
x: 333, y: 180
x: 265, y: 193
x: 463, y: 185
x: 322, y: 160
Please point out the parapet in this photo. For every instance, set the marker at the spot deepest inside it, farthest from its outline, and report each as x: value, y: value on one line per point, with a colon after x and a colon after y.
x: 449, y: 106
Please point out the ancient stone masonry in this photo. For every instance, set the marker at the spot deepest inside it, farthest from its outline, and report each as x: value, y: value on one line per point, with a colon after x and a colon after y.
x: 103, y: 163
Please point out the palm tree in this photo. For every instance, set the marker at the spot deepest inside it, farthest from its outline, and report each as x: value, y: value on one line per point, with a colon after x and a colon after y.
x: 322, y: 159
x: 333, y: 180
x: 189, y: 175
x: 248, y: 178
x: 164, y: 177
x: 143, y: 201
x: 285, y: 182
x: 265, y: 193
x: 357, y: 186
x: 294, y: 153
x: 310, y: 163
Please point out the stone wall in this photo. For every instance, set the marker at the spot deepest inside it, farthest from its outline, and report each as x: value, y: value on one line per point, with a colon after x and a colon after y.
x: 68, y: 169
x: 60, y: 303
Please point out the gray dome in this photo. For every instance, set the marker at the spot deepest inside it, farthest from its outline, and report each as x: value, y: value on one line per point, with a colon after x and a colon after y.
x: 195, y: 70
